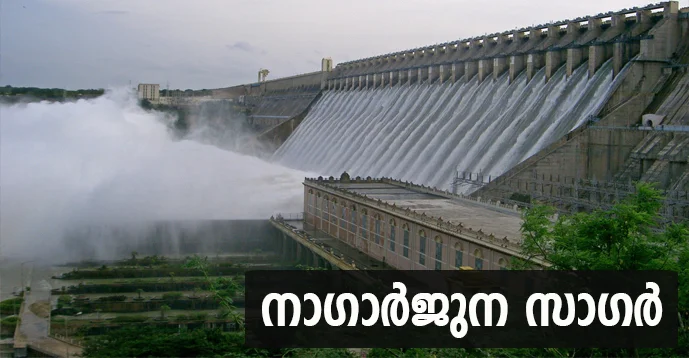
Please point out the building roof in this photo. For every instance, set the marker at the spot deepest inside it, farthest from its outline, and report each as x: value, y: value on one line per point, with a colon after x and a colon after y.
x: 474, y: 215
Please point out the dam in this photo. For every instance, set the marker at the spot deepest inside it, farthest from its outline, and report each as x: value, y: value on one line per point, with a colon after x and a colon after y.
x: 439, y: 149
x: 481, y: 105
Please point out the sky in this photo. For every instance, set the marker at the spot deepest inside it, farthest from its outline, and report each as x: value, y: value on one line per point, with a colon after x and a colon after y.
x: 202, y: 44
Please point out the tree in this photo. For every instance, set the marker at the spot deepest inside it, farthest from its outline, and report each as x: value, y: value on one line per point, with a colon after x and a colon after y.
x: 163, y: 310
x: 64, y: 300
x: 222, y: 288
x: 139, y: 292
x: 134, y: 255
x: 629, y: 236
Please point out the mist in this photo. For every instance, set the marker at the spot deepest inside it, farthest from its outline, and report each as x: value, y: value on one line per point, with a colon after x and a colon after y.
x: 219, y: 124
x: 107, y: 161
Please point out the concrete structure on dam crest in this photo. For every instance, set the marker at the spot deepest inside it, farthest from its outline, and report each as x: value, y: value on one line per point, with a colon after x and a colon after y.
x: 619, y: 35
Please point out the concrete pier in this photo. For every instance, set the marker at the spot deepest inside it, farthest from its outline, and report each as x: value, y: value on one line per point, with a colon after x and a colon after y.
x: 470, y: 70
x: 619, y: 35
x: 553, y: 61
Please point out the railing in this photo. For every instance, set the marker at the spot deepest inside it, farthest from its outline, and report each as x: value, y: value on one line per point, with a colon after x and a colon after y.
x: 329, y: 252
x: 65, y: 339
x: 574, y: 193
x: 660, y: 128
x: 288, y: 216
x: 523, y: 29
x: 338, y: 76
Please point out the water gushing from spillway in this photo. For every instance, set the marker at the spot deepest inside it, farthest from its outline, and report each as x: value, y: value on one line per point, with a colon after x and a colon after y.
x: 106, y: 161
x: 426, y: 133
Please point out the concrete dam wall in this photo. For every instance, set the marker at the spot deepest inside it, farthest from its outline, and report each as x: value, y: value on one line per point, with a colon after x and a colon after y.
x: 597, y: 163
x: 424, y: 132
x: 479, y: 105
x: 117, y: 241
x: 276, y: 108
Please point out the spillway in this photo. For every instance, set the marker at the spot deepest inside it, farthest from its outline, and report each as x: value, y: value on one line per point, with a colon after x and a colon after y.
x: 424, y: 133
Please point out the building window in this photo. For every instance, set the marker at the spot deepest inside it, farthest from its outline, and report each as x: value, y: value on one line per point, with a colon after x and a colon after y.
x: 377, y: 236
x: 333, y: 212
x: 459, y: 255
x: 479, y: 264
x: 405, y: 242
x: 478, y: 259
x: 364, y: 225
x: 318, y: 210
x: 502, y: 263
x: 343, y: 219
x: 422, y: 248
x: 392, y: 235
x: 326, y: 206
x: 438, y: 253
x: 353, y: 224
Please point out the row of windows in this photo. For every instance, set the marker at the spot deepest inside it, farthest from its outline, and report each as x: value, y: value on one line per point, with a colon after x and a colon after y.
x: 331, y: 207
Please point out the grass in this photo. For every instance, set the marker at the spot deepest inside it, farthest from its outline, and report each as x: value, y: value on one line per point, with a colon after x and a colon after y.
x: 133, y: 280
x: 150, y: 314
x: 144, y: 295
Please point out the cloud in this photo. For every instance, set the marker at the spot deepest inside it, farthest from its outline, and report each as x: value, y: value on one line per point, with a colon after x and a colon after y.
x: 246, y: 47
x: 113, y: 12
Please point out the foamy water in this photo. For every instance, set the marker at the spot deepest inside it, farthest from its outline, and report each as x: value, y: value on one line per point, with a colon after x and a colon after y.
x: 107, y: 160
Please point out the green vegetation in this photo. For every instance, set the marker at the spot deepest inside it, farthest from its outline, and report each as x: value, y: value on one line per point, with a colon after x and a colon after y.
x: 58, y: 94
x: 224, y: 289
x: 171, y: 296
x: 310, y: 268
x: 11, y: 306
x: 8, y: 325
x: 130, y: 319
x: 172, y: 271
x: 150, y: 341
x: 64, y: 300
x: 118, y: 298
x: 163, y: 310
x: 629, y: 236
x: 185, y: 93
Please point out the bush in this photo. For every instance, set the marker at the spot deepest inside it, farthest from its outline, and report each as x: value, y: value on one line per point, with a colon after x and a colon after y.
x: 64, y: 300
x: 118, y: 298
x: 181, y: 318
x: 10, y: 321
x: 130, y: 319
x: 171, y: 296
x: 11, y: 306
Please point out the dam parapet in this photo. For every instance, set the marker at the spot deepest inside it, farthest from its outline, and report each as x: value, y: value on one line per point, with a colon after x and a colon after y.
x: 651, y: 32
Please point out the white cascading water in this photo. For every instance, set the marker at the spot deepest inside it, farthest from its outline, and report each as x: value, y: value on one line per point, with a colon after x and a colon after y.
x: 108, y: 161
x: 426, y: 133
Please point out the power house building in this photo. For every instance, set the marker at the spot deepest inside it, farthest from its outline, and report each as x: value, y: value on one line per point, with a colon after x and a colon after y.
x: 412, y: 227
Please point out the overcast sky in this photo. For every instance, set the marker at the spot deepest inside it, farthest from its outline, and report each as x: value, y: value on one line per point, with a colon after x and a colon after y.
x: 218, y: 43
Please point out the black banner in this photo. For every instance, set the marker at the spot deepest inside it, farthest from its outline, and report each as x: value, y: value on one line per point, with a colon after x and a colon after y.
x: 597, y: 309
